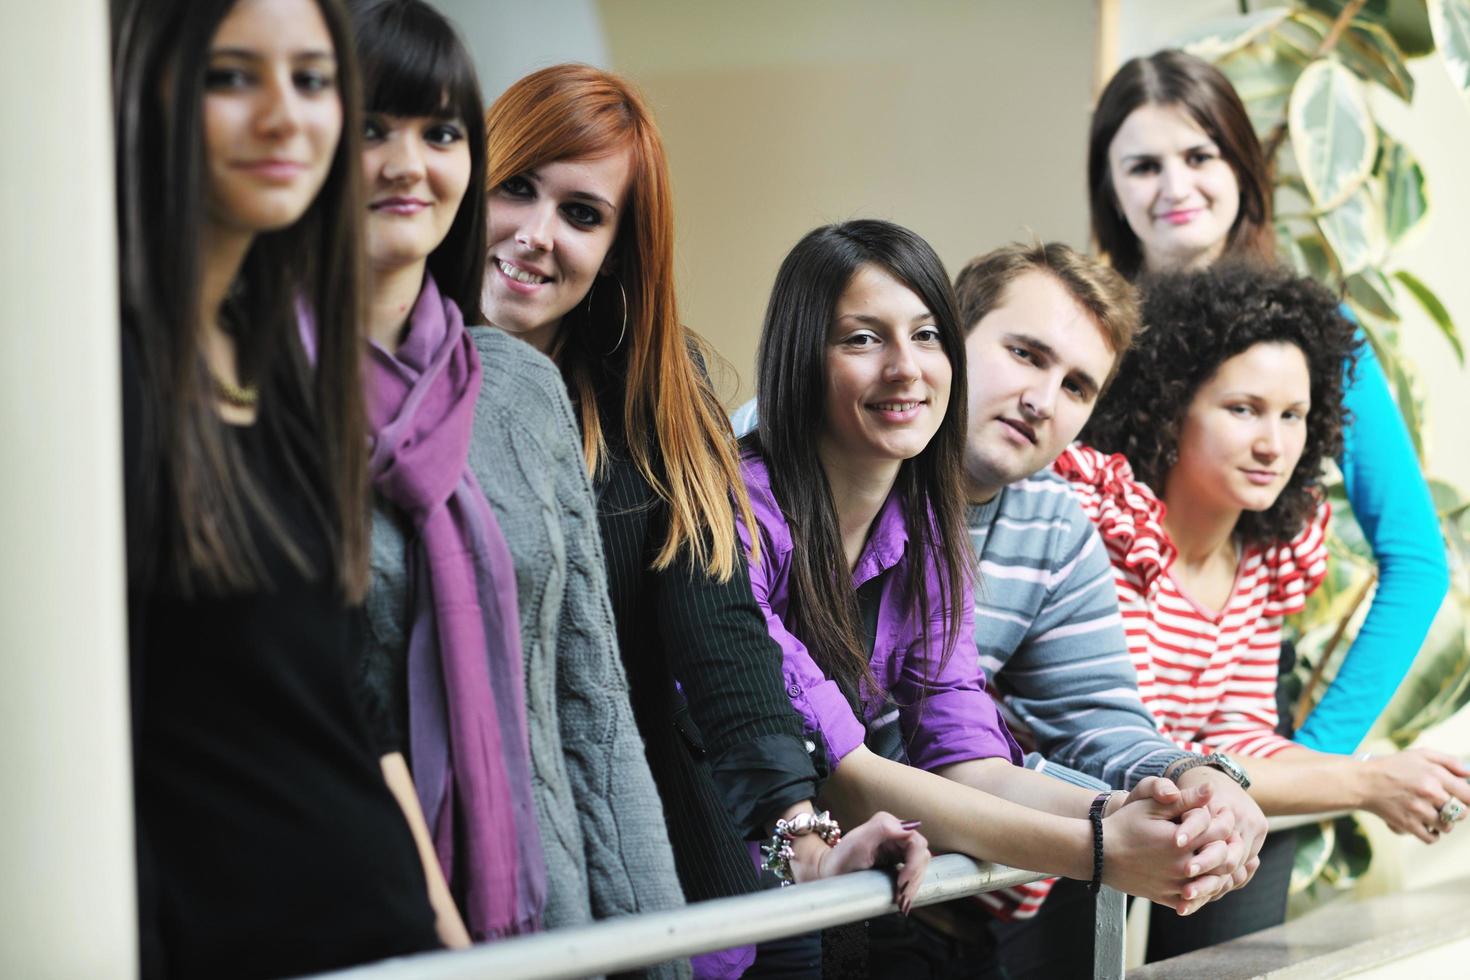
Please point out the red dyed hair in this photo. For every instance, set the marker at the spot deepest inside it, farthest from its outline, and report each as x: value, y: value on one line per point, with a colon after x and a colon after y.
x: 676, y: 430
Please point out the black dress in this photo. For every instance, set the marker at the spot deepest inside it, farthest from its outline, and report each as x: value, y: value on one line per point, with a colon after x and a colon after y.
x: 269, y: 843
x: 726, y: 748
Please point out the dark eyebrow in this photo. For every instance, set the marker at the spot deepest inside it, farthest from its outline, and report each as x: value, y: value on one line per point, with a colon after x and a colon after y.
x: 878, y: 321
x: 248, y: 54
x: 1083, y: 379
x: 1207, y: 146
x: 535, y: 177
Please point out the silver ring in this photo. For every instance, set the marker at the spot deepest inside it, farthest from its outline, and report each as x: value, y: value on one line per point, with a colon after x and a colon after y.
x: 1452, y: 812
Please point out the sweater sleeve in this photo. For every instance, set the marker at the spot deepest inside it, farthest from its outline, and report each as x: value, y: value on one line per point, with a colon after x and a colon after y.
x: 1072, y: 681
x: 1391, y: 502
x: 630, y: 866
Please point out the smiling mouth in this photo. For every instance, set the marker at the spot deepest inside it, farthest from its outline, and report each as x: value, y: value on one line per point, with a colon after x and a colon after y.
x: 1022, y: 428
x: 1181, y: 216
x: 520, y: 275
x: 399, y: 205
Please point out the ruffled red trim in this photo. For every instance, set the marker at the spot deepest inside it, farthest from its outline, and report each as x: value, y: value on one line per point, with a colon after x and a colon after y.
x: 1126, y: 513
x: 1298, y: 567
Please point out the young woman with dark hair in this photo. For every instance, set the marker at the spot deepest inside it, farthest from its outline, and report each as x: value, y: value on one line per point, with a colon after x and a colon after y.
x: 269, y: 843
x: 582, y: 268
x: 1176, y: 179
x: 1228, y: 406
x: 861, y: 563
x: 536, y: 799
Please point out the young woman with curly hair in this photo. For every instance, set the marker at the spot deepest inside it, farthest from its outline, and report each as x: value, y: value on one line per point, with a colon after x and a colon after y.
x: 1201, y: 470
x: 1177, y: 179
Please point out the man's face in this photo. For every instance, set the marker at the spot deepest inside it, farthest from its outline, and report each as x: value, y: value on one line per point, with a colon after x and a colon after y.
x: 1036, y: 363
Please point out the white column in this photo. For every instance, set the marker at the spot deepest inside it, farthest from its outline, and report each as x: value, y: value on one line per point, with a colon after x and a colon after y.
x: 67, y: 906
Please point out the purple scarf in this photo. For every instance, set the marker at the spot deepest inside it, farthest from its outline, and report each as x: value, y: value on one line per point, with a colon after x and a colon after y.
x: 467, y: 712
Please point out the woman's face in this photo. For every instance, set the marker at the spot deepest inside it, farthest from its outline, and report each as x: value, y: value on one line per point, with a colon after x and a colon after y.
x: 887, y: 374
x: 1244, y: 431
x: 550, y: 232
x: 272, y: 115
x: 415, y: 173
x: 1175, y: 190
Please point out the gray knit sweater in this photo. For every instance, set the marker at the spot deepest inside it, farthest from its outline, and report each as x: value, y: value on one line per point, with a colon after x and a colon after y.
x: 607, y: 852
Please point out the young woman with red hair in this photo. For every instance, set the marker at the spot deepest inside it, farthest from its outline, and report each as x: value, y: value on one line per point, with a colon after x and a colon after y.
x: 580, y: 218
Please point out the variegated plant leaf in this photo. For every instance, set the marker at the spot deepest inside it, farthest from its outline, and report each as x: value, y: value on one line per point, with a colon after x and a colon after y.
x: 1215, y: 39
x: 1354, y: 230
x: 1313, y: 848
x: 1450, y: 22
x: 1405, y: 192
x: 1371, y: 291
x: 1435, y: 308
x: 1370, y: 52
x: 1333, y: 135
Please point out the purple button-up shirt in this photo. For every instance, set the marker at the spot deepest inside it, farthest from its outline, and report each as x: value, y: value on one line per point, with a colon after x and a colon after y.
x: 956, y: 719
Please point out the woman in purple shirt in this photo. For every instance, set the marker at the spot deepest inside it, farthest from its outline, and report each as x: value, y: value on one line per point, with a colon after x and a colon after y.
x: 860, y: 562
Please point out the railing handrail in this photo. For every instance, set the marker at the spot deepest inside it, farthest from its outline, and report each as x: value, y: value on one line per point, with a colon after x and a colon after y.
x: 634, y: 941
x: 630, y: 942
x: 1292, y: 821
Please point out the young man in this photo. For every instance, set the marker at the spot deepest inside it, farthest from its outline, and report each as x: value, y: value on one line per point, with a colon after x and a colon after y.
x: 1046, y: 329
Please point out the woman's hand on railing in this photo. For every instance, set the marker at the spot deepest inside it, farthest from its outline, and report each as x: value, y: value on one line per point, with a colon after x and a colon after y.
x: 1411, y: 789
x: 882, y: 840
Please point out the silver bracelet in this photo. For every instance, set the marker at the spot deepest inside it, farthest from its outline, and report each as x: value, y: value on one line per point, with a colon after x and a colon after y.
x: 777, y: 853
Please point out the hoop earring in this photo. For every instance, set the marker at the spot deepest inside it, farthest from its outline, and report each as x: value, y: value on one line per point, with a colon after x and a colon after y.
x: 622, y: 331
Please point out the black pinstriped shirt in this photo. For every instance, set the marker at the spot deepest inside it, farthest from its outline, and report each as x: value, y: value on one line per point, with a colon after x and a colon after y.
x: 724, y: 744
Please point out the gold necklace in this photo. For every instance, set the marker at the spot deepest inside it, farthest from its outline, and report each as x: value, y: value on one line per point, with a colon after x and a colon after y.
x: 237, y: 396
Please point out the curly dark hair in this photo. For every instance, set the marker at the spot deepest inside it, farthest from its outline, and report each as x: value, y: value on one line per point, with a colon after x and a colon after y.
x: 1193, y: 323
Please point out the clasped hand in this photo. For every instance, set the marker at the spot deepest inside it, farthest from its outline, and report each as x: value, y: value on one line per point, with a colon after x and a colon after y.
x: 1181, y: 847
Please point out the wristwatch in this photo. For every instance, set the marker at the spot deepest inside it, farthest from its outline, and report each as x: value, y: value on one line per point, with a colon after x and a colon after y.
x: 1215, y: 760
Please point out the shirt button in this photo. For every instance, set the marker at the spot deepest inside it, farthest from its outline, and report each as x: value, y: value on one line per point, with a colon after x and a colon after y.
x: 810, y: 746
x: 794, y: 690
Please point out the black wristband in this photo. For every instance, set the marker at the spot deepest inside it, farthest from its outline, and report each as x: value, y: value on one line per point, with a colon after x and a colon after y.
x: 1095, y: 816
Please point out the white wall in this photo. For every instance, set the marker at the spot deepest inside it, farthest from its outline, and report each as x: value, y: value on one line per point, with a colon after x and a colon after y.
x: 66, y: 834
x: 511, y: 38
x: 964, y: 121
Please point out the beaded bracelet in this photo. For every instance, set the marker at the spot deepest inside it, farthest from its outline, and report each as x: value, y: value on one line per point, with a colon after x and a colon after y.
x: 1095, y: 816
x: 777, y: 852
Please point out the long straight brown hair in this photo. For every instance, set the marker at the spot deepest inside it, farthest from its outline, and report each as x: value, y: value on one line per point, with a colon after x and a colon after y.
x: 791, y: 385
x: 674, y: 426
x: 314, y: 267
x: 1202, y: 90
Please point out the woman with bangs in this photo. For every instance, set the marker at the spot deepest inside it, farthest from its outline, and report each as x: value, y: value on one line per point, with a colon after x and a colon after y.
x: 1201, y: 469
x: 581, y: 268
x: 268, y: 843
x: 490, y: 668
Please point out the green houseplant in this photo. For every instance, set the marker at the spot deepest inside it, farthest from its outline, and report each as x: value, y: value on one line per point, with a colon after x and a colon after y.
x: 1349, y: 196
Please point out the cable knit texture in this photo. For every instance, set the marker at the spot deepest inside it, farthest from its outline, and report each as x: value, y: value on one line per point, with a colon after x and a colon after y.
x: 602, y: 824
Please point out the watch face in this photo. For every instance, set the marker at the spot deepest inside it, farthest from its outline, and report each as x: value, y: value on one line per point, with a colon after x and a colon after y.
x: 1230, y: 767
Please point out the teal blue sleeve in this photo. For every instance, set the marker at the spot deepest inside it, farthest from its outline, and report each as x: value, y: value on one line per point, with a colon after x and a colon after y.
x: 1391, y: 501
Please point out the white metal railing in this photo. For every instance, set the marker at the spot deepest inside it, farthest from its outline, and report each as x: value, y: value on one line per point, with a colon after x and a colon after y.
x: 1302, y: 820
x: 631, y: 942
x: 635, y: 941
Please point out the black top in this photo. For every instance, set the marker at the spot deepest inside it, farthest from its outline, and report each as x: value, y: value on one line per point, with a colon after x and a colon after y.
x: 725, y: 745
x: 269, y: 843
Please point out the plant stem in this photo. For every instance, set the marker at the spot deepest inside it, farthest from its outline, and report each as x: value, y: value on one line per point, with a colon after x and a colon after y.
x: 1306, y: 702
x: 1334, y: 34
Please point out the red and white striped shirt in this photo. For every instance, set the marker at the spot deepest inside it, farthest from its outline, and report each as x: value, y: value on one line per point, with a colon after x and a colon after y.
x: 1208, y: 678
